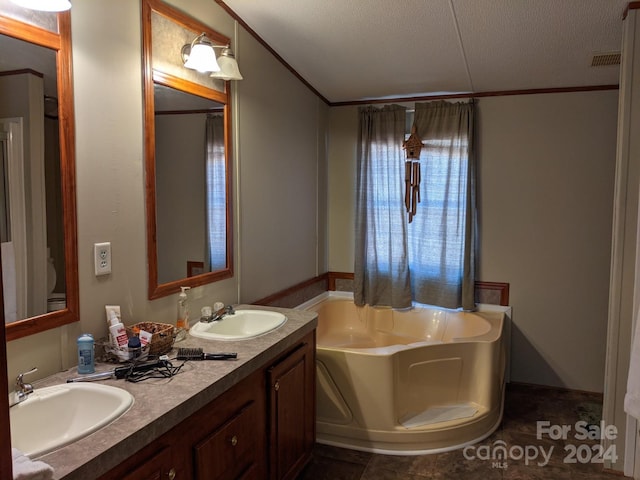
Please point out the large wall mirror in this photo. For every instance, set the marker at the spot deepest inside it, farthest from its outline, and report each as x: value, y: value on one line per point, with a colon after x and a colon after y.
x: 187, y: 157
x: 37, y: 171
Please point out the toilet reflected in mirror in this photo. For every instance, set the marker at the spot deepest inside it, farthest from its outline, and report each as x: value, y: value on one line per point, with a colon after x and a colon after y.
x: 55, y: 301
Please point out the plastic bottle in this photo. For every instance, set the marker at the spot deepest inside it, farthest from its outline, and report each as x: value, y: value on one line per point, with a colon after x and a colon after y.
x: 183, y: 309
x: 118, y: 332
x: 135, y: 347
x: 86, y: 359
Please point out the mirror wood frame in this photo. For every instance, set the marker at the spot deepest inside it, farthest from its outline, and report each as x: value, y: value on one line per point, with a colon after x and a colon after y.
x: 150, y: 78
x: 61, y: 43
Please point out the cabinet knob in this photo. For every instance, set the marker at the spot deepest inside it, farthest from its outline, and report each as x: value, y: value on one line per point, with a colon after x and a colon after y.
x: 276, y: 387
x: 172, y: 474
x: 234, y: 441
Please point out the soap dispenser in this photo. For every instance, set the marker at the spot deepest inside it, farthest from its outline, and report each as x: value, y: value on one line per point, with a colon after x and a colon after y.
x: 183, y: 309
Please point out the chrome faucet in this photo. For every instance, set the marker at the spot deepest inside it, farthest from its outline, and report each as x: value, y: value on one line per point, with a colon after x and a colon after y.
x: 218, y: 315
x: 23, y: 390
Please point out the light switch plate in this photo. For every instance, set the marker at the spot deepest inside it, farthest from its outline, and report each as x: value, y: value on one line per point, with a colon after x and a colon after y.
x: 102, y: 258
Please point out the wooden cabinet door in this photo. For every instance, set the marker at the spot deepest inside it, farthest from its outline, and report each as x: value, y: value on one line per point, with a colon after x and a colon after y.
x: 228, y: 437
x: 231, y: 451
x: 292, y: 411
x: 157, y: 467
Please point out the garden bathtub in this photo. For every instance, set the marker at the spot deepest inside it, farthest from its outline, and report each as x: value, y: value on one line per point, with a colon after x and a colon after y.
x: 407, y: 382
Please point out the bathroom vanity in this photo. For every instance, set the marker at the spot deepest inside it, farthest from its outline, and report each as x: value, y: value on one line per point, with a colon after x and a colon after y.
x: 261, y: 428
x: 253, y: 418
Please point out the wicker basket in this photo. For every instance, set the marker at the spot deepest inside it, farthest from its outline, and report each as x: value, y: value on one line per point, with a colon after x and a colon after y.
x: 162, y: 336
x: 111, y: 353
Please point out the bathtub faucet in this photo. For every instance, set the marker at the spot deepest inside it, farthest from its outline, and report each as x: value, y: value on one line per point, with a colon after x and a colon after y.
x: 218, y: 314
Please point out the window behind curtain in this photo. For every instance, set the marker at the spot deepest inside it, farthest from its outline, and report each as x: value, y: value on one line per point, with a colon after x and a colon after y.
x: 216, y: 193
x: 438, y: 246
x: 381, y: 271
x: 442, y: 236
x: 436, y: 234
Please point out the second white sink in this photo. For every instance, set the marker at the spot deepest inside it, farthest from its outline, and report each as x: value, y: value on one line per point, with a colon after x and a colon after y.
x: 242, y: 325
x: 53, y: 417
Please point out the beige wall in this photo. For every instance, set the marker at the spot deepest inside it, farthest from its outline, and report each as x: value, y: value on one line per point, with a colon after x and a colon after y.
x: 546, y: 169
x: 343, y: 136
x: 278, y: 127
x: 280, y: 156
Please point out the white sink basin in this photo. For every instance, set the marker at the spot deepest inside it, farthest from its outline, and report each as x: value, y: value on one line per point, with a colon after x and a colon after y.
x: 53, y: 417
x: 242, y: 325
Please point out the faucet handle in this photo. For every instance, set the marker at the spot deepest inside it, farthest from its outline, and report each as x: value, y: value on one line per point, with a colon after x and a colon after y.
x: 24, y: 387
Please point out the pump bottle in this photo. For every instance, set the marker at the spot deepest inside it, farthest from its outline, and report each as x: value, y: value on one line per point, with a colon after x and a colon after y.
x: 183, y: 309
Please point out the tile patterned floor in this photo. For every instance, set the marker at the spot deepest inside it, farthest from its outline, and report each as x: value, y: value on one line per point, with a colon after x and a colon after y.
x: 524, y: 406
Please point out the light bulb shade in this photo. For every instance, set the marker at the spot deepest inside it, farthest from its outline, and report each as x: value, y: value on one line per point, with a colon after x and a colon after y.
x: 200, y: 55
x: 44, y: 5
x: 228, y: 67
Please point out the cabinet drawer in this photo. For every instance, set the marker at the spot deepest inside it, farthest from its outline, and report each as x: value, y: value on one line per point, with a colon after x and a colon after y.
x: 230, y: 450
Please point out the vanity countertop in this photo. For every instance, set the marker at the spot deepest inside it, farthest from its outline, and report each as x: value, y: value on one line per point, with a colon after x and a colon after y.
x: 162, y: 404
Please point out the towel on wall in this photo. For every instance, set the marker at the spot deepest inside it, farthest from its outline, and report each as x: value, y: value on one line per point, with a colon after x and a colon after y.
x: 26, y: 469
x: 632, y: 398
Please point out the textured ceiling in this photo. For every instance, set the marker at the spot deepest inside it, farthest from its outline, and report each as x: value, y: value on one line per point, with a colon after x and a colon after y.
x: 350, y: 50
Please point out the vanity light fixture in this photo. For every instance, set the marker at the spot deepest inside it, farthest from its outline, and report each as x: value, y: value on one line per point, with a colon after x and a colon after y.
x: 199, y: 55
x: 228, y: 66
x: 44, y: 5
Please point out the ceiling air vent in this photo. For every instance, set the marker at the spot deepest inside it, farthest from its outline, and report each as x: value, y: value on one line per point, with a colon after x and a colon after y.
x: 605, y: 59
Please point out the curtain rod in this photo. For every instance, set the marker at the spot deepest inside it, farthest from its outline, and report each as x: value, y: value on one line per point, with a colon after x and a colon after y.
x: 471, y: 100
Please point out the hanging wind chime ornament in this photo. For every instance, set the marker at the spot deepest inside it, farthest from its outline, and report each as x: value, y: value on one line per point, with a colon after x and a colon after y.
x: 412, y: 146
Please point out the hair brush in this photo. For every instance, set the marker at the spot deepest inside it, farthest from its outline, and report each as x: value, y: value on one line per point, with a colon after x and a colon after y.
x: 198, y: 354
